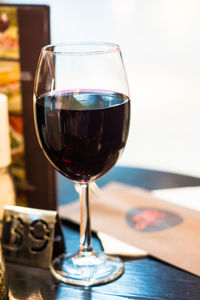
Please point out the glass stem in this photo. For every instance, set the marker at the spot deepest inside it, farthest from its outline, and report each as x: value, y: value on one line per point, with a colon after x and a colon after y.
x: 85, y: 226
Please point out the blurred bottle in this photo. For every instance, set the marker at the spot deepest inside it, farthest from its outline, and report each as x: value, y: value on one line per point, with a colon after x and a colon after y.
x: 7, y: 190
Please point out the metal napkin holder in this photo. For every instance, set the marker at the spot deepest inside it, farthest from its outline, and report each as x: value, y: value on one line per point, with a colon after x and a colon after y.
x: 31, y: 236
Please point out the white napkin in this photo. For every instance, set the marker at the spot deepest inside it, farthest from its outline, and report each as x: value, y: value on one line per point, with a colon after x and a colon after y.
x: 113, y: 246
x: 186, y: 196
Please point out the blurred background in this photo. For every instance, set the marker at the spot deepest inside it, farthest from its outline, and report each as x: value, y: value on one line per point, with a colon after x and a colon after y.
x: 160, y: 43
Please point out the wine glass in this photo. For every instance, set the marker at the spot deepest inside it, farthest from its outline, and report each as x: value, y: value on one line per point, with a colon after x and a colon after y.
x: 82, y: 114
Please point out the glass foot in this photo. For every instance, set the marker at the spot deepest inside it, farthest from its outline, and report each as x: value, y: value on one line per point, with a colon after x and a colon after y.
x: 86, y: 269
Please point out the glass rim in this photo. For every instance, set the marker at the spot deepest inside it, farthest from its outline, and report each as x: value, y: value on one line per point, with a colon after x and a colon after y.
x: 65, y: 48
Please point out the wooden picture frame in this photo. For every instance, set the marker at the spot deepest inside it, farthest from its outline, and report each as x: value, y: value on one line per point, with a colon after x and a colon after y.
x: 37, y: 186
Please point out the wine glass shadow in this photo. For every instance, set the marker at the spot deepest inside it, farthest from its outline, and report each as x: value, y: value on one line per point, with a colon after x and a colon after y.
x: 28, y: 283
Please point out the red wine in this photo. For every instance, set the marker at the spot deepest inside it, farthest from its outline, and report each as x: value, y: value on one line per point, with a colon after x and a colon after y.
x: 82, y: 132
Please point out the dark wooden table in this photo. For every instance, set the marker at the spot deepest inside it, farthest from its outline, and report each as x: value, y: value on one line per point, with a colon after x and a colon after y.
x: 145, y: 278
